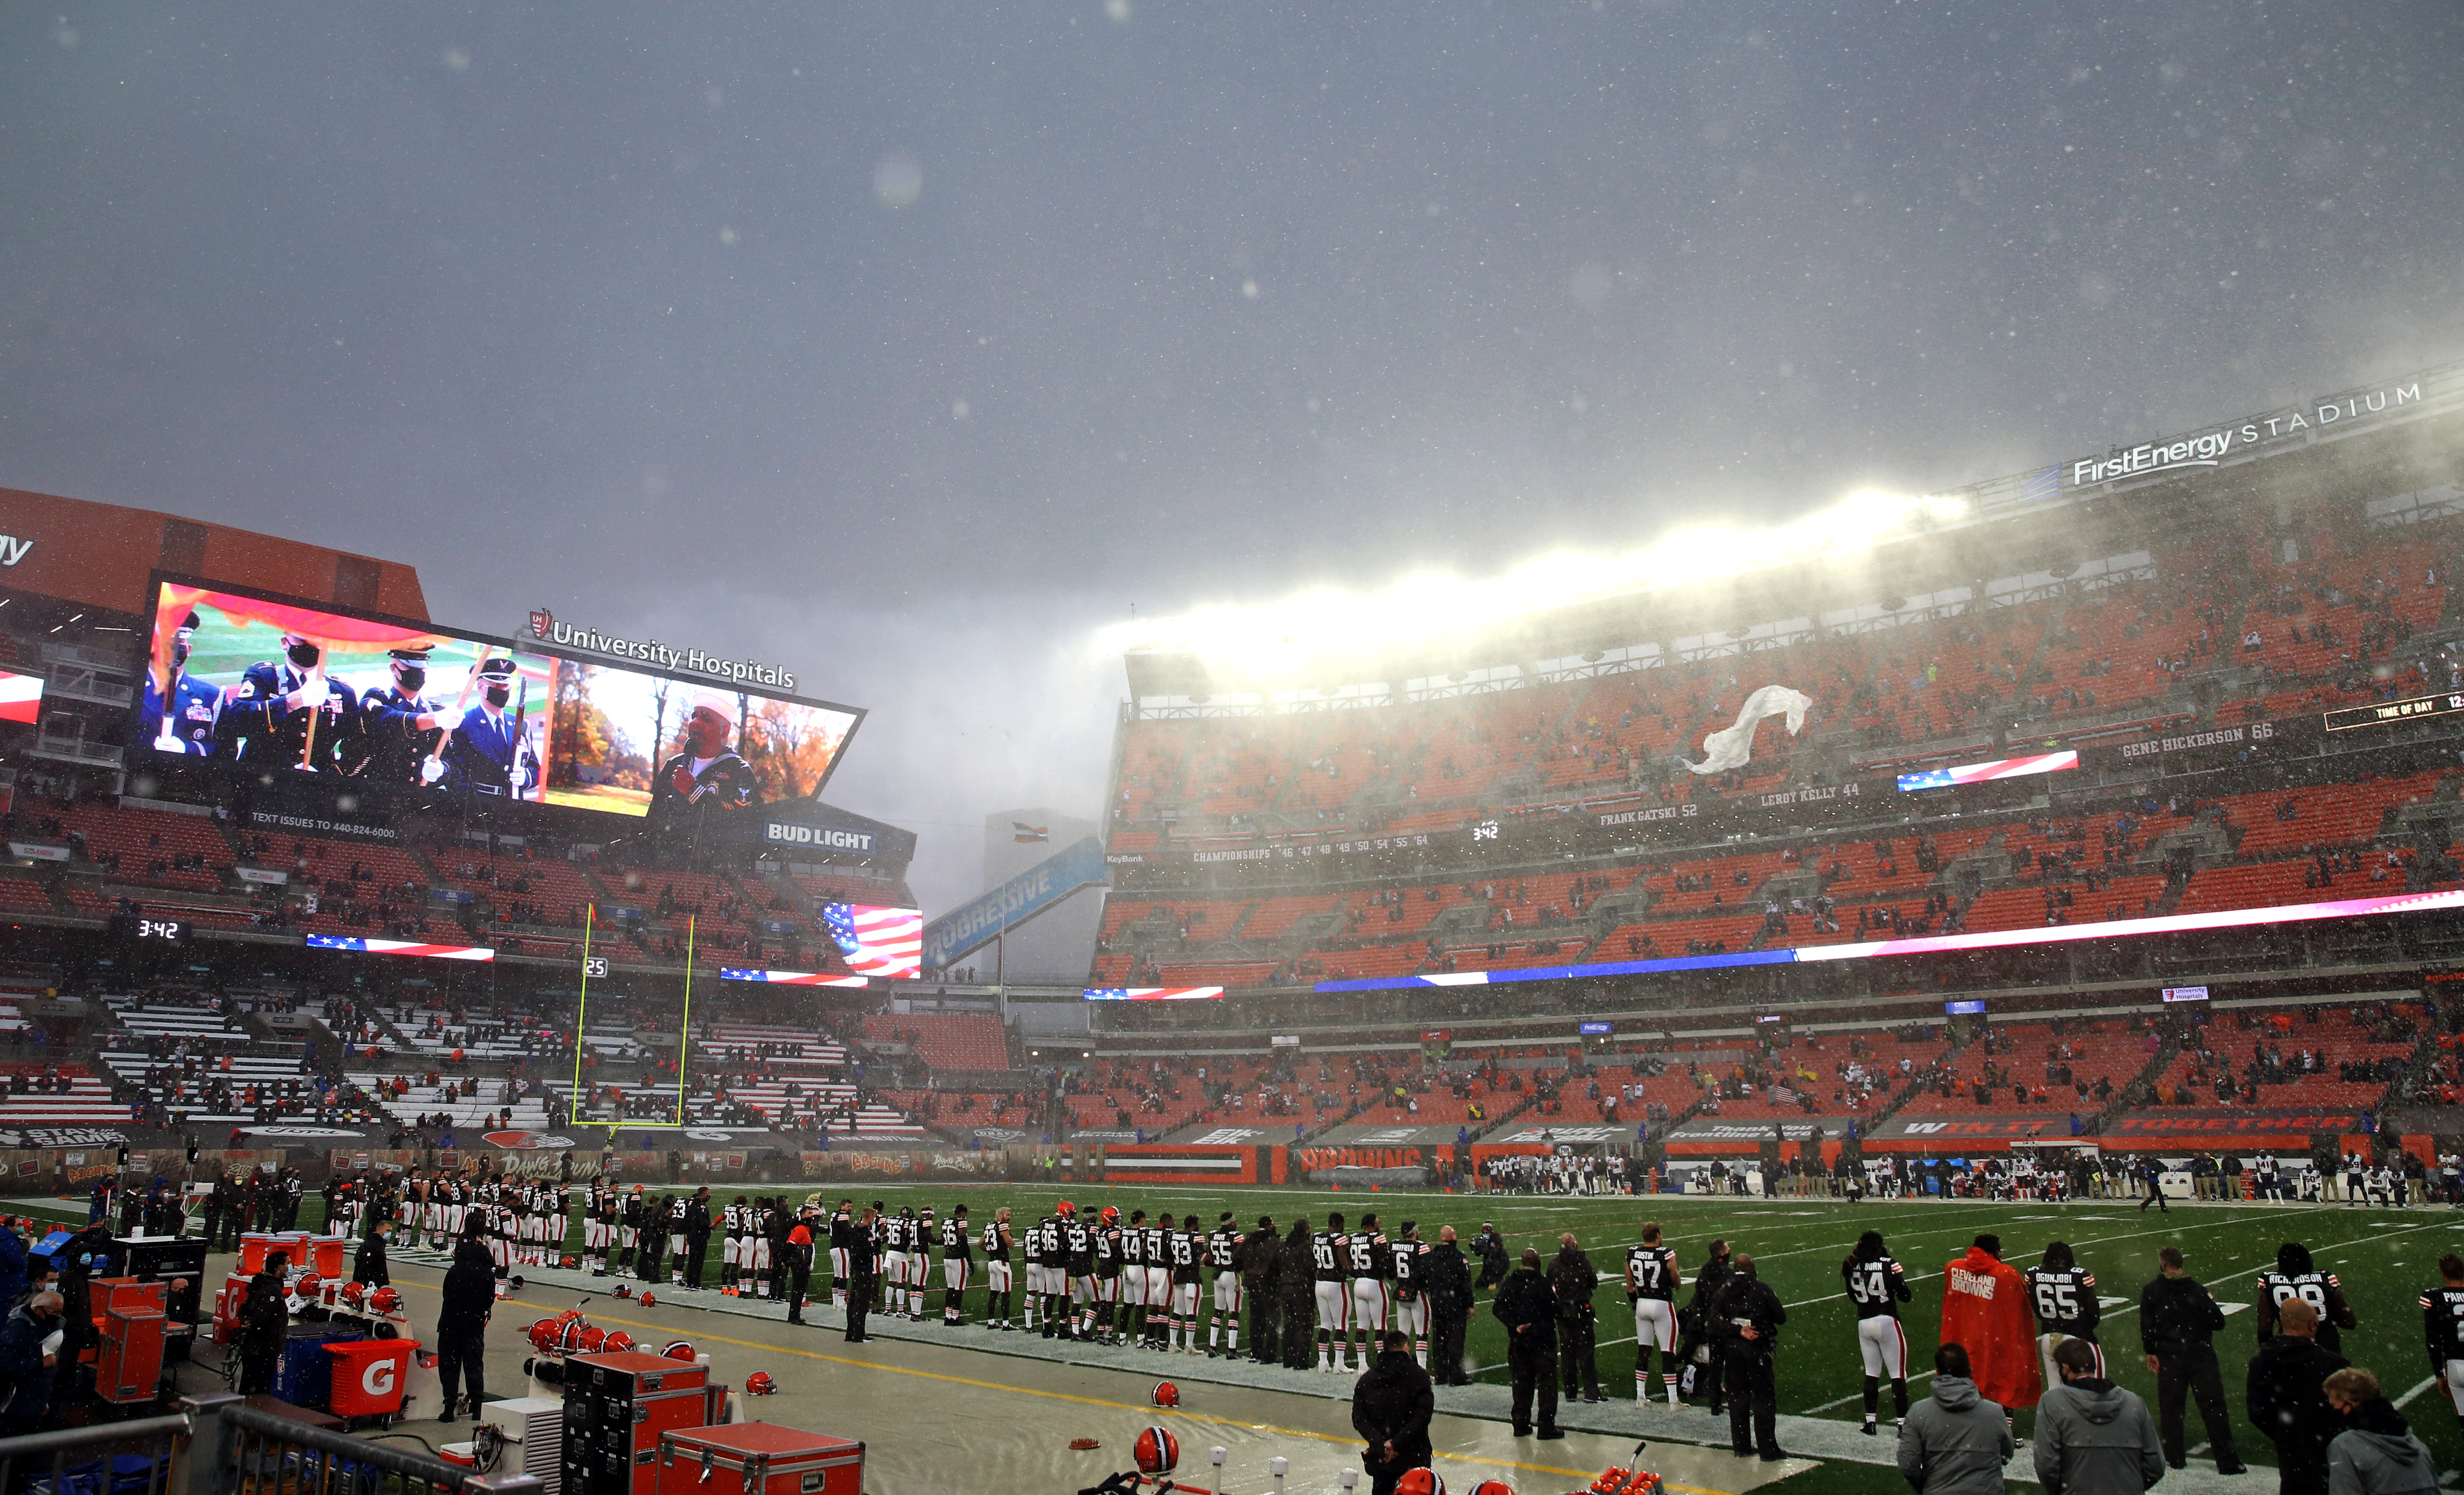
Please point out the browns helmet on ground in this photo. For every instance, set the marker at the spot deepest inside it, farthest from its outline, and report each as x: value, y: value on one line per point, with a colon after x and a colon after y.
x: 1166, y: 1395
x: 1420, y: 1482
x: 1158, y: 1451
x: 650, y: 1299
x: 618, y: 1343
x: 759, y: 1384
x: 679, y: 1349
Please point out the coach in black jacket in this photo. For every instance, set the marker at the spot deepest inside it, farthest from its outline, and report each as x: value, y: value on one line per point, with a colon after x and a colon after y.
x: 1696, y: 1353
x: 1391, y: 1407
x: 1747, y: 1317
x: 2288, y: 1402
x: 1450, y: 1300
x: 462, y: 1323
x: 1573, y: 1279
x: 1261, y: 1261
x: 697, y: 1235
x: 1297, y: 1280
x: 1528, y: 1307
x: 2178, y: 1319
x: 863, y: 1276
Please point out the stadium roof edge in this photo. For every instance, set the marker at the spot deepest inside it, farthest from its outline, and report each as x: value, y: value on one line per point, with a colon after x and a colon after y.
x: 2023, y: 522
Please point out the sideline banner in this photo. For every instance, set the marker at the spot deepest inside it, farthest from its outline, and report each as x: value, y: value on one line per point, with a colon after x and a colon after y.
x: 1160, y: 1162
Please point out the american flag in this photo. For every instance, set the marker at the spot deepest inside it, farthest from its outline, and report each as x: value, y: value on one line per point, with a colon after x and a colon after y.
x: 1024, y: 834
x: 877, y: 942
x: 21, y: 699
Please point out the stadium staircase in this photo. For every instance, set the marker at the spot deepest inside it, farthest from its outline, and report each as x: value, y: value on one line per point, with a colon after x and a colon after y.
x: 2139, y: 1090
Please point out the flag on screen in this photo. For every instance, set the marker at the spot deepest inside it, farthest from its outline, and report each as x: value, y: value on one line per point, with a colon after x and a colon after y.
x: 877, y: 942
x: 1024, y: 834
x: 21, y: 699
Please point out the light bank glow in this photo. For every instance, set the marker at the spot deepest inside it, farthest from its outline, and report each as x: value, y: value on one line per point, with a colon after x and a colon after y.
x: 1432, y: 608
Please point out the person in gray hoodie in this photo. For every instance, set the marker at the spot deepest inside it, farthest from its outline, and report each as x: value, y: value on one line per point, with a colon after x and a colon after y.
x: 2093, y: 1438
x: 2376, y: 1454
x: 1955, y: 1443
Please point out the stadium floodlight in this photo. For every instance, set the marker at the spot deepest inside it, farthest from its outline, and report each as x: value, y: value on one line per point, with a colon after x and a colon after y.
x: 1275, y: 637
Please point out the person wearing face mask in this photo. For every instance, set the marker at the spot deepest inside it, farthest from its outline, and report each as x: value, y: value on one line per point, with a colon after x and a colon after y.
x: 181, y: 719
x: 491, y: 751
x: 30, y: 1349
x: 290, y: 713
x: 703, y: 780
x: 402, y: 725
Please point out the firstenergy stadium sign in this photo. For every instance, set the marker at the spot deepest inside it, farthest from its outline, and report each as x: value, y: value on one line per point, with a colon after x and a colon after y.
x: 2210, y: 448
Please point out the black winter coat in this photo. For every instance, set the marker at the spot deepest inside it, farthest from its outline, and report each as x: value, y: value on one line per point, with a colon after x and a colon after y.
x: 1392, y: 1403
x: 1528, y: 1307
x: 2285, y: 1401
x: 1449, y: 1277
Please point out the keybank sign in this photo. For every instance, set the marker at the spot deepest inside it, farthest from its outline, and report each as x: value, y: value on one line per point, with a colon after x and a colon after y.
x: 2209, y: 449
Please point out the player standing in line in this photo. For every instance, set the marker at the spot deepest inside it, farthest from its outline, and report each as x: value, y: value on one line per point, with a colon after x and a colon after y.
x: 925, y: 1232
x: 628, y: 1228
x: 2296, y: 1275
x: 841, y: 1237
x: 679, y: 1236
x: 731, y: 1247
x: 1651, y: 1281
x: 1104, y: 1311
x: 890, y: 1251
x: 1223, y: 1266
x: 1000, y: 1286
x: 1031, y: 1256
x: 598, y: 1225
x: 1078, y: 1240
x: 958, y: 1262
x: 1877, y: 1286
x: 1406, y: 1254
x: 1133, y: 1278
x: 1159, y: 1316
x: 1188, y: 1246
x: 2063, y: 1294
x: 2442, y: 1325
x: 1329, y: 1250
x: 1055, y: 1295
x: 770, y: 1226
x: 1366, y: 1261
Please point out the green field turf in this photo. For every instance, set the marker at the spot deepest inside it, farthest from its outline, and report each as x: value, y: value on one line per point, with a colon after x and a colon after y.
x: 2384, y: 1257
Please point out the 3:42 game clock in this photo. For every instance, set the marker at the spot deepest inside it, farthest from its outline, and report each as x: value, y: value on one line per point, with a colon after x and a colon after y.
x: 162, y: 932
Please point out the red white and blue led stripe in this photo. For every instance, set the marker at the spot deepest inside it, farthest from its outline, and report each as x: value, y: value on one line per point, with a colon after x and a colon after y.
x: 1171, y: 993
x: 787, y: 978
x: 366, y: 947
x: 1933, y: 944
x: 1982, y: 773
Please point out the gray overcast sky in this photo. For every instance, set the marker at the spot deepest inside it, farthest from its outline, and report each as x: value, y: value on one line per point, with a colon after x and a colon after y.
x: 907, y: 344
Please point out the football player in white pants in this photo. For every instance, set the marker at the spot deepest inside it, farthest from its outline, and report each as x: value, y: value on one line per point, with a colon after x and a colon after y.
x: 1158, y: 1317
x: 1371, y: 1297
x: 1328, y: 1249
x: 1651, y: 1281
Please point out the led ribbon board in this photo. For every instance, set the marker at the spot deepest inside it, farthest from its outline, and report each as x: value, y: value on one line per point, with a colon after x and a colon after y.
x: 1937, y: 944
x: 1157, y: 993
x: 1997, y: 769
x: 789, y: 977
x: 365, y: 946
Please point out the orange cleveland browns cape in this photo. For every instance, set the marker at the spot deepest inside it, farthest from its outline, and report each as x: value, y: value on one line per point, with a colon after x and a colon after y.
x: 1985, y: 1310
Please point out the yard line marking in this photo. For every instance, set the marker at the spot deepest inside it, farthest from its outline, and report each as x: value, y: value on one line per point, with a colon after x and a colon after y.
x: 1858, y: 1396
x: 2416, y: 1391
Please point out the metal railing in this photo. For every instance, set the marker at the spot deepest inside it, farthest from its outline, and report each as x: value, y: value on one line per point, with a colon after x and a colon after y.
x: 218, y: 1445
x: 94, y: 1461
